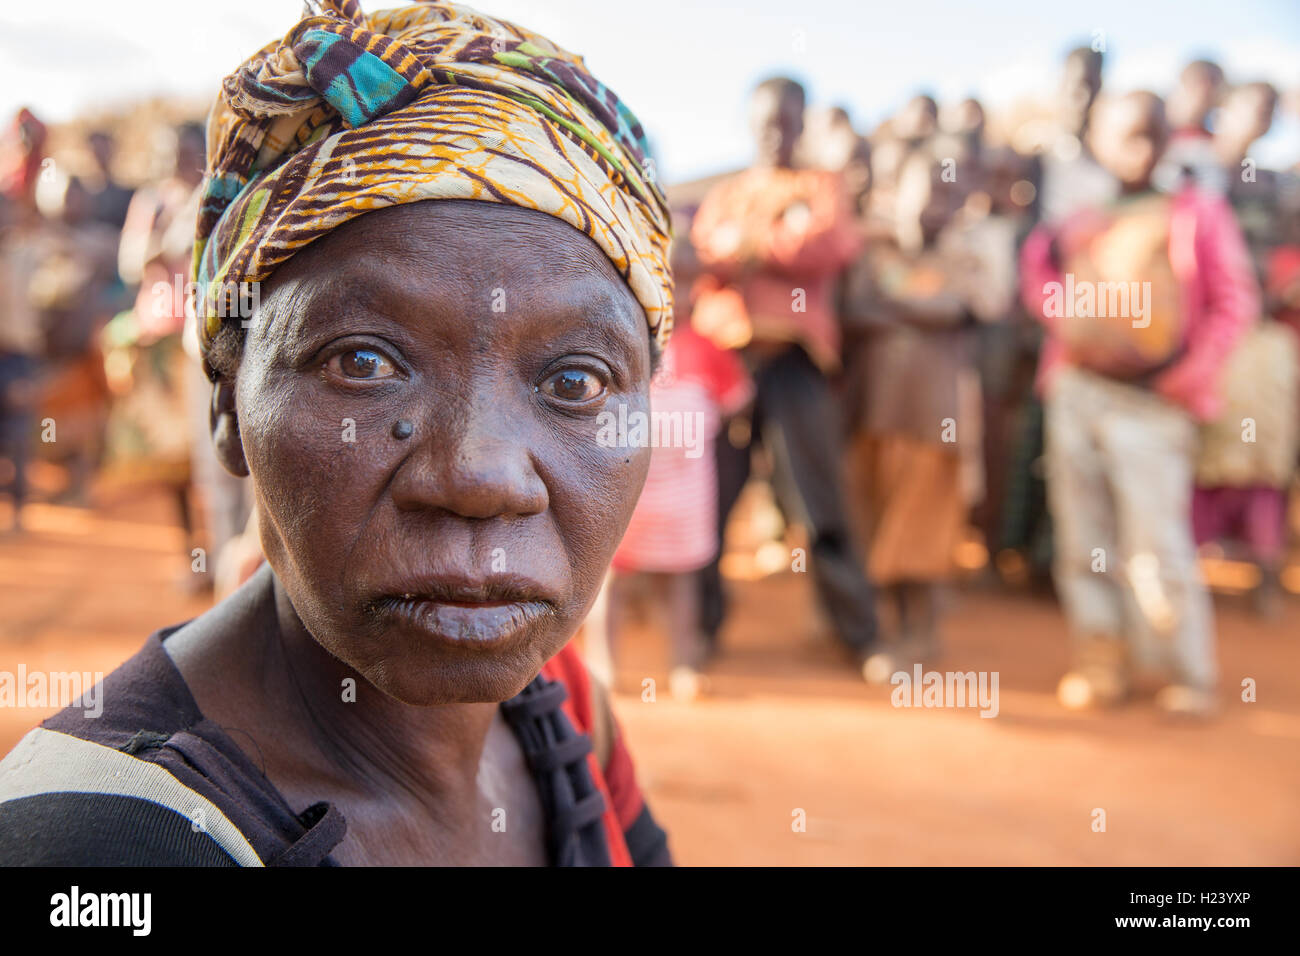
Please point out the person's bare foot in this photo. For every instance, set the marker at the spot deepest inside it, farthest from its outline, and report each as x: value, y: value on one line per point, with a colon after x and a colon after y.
x: 685, y: 683
x: 878, y: 667
x: 1182, y: 700
x: 1088, y: 690
x: 1099, y: 678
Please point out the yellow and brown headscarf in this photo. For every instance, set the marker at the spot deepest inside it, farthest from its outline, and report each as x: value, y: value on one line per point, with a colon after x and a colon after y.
x: 353, y: 112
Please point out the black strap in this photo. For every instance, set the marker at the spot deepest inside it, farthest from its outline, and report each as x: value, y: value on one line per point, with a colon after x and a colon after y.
x: 326, y: 828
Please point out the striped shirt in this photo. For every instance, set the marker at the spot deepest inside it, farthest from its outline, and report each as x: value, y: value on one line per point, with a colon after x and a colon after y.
x: 675, y: 525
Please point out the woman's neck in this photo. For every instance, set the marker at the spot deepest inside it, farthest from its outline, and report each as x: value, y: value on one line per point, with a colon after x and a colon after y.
x: 365, y: 738
x: 320, y: 727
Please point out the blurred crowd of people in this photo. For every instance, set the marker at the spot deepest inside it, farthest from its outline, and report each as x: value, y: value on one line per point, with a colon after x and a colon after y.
x: 882, y: 329
x: 99, y: 366
x: 917, y: 380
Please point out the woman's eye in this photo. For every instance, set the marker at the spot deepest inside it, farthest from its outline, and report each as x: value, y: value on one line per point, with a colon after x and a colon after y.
x: 574, y: 385
x: 362, y: 364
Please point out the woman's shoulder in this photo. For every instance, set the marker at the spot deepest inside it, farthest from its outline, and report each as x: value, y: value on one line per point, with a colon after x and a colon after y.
x: 134, y: 774
x: 82, y: 789
x: 145, y: 693
x: 69, y: 801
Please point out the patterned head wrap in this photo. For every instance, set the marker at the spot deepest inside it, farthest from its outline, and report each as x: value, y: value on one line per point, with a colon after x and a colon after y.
x: 354, y: 112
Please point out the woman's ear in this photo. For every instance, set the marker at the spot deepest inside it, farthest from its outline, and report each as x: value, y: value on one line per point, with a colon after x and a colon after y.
x: 223, y: 420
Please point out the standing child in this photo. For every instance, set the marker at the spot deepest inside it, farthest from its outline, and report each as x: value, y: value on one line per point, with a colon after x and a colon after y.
x: 915, y: 460
x: 1248, y: 457
x: 1249, y: 454
x: 674, y: 529
x: 1125, y: 387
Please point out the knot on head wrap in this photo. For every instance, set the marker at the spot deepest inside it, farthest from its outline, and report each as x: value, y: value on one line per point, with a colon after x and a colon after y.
x: 354, y: 112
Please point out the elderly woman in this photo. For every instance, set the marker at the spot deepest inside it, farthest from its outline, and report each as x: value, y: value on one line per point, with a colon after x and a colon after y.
x: 460, y: 262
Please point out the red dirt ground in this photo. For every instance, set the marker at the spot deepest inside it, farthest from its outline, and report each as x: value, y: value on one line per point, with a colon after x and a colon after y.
x: 788, y: 726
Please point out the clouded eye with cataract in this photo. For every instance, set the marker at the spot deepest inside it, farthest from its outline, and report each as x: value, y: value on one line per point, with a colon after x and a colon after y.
x: 362, y: 364
x: 574, y: 385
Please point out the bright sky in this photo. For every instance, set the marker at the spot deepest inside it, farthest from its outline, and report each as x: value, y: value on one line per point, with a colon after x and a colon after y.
x: 686, y: 66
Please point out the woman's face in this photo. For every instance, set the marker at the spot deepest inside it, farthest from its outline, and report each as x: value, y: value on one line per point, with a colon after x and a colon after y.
x: 449, y: 565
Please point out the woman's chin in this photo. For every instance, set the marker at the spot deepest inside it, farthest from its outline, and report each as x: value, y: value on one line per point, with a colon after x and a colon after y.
x: 455, y: 679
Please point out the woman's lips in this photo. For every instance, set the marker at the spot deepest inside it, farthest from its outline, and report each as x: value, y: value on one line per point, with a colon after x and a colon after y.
x: 452, y: 607
x: 470, y: 622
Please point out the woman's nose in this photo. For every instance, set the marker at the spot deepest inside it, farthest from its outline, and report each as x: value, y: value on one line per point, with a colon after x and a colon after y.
x: 477, y: 464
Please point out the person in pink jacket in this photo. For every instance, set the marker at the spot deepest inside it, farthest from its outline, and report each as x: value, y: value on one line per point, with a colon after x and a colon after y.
x: 1142, y: 300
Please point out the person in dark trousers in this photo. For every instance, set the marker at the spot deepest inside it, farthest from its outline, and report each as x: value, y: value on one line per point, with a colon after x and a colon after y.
x: 773, y: 240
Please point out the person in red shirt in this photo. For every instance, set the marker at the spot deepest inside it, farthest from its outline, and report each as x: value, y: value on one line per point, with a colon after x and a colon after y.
x: 774, y: 240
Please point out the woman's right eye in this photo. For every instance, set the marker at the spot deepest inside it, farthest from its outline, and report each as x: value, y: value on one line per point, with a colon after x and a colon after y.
x: 361, y: 364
